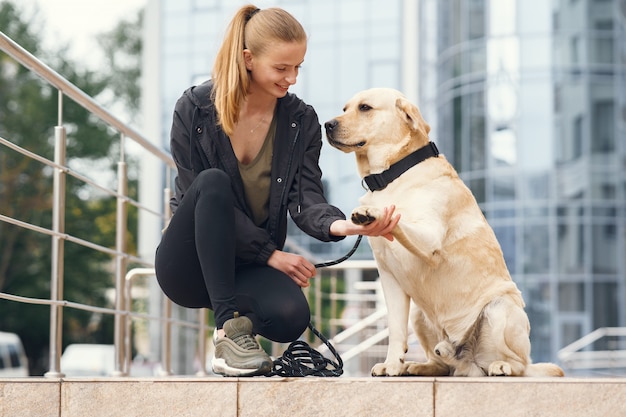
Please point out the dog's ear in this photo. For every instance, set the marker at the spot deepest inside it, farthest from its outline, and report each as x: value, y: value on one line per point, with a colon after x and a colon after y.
x: 412, y: 116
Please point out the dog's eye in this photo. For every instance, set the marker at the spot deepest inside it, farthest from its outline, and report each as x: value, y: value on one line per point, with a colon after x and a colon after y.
x: 364, y: 107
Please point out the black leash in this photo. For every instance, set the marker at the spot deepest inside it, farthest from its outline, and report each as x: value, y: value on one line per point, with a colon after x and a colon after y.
x: 300, y: 359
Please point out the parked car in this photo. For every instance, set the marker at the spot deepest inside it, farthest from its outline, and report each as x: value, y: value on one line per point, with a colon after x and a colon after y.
x: 88, y: 360
x: 13, y: 361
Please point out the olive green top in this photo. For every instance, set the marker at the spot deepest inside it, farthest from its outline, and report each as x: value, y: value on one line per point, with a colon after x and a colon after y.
x: 256, y: 178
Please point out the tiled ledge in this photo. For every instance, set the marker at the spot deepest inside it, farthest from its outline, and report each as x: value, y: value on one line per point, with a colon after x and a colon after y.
x: 276, y: 397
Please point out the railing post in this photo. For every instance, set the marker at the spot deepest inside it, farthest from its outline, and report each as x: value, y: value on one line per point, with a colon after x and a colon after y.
x: 166, y: 341
x: 202, y: 313
x: 120, y: 265
x: 58, y: 247
x: 166, y: 336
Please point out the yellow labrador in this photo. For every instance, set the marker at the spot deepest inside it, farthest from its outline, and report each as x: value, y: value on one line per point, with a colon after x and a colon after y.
x: 467, y: 312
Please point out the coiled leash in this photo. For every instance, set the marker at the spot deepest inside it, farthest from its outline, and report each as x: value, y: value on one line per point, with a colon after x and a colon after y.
x: 300, y: 359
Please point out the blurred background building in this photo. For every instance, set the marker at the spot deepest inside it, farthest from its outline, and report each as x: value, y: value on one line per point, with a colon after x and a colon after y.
x: 527, y: 99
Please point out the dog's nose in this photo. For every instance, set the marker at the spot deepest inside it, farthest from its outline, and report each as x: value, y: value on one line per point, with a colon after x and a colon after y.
x: 331, y: 125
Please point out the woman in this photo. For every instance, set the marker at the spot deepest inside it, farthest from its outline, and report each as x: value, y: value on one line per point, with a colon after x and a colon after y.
x: 246, y: 153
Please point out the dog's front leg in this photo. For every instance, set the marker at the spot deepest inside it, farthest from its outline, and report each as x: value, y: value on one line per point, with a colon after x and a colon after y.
x: 422, y: 240
x: 397, y: 302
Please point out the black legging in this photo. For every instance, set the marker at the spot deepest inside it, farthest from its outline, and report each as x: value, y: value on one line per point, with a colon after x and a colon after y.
x: 195, y: 266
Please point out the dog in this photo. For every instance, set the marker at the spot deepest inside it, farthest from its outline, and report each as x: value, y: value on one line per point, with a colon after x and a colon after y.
x: 444, y: 270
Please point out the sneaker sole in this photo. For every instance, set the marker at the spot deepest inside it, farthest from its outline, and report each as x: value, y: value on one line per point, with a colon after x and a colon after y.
x: 220, y: 367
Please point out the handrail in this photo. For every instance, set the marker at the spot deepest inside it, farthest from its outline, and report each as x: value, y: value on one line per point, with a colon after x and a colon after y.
x: 74, y: 174
x: 57, y: 231
x: 588, y: 339
x: 576, y: 357
x: 29, y: 61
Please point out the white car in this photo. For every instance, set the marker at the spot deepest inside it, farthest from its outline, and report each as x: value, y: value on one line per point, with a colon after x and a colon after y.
x: 13, y: 361
x: 88, y: 360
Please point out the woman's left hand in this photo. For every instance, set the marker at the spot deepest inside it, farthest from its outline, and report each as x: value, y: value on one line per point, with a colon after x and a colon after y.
x: 382, y: 226
x: 298, y: 268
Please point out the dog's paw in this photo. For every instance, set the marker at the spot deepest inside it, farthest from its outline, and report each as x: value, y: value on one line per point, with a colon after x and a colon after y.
x: 500, y: 368
x: 430, y: 368
x: 365, y: 215
x: 388, y: 369
x: 445, y: 350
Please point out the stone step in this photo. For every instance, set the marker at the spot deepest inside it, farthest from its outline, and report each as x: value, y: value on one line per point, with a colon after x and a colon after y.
x: 277, y: 397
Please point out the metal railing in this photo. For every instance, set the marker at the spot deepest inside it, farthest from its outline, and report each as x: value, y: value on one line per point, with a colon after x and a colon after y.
x: 346, y: 291
x: 57, y: 232
x: 582, y: 356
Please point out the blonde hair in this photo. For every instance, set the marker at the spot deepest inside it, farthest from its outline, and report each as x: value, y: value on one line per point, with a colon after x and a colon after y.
x: 253, y: 29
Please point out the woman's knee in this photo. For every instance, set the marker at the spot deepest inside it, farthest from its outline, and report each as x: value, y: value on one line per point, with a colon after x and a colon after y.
x: 213, y: 180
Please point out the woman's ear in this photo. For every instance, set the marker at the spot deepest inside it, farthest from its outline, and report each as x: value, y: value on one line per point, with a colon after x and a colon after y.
x: 247, y: 58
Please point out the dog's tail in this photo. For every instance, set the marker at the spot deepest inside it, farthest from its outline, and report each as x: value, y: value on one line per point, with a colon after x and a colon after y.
x: 543, y: 369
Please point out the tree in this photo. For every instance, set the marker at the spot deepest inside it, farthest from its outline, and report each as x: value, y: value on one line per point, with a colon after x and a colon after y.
x: 28, y: 113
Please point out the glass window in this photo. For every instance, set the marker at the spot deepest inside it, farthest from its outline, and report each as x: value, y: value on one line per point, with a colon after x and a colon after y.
x: 604, y: 248
x: 205, y: 4
x: 536, y: 249
x: 536, y: 186
x: 577, y: 138
x: 351, y: 11
x: 572, y: 297
x: 571, y: 248
x: 537, y: 296
x: 170, y: 7
x: 571, y: 332
x: 384, y: 74
x: 606, y: 305
x: 503, y: 188
x: 574, y: 53
x: 316, y: 63
x: 603, y: 125
x: 476, y: 19
x: 603, y: 185
x: 457, y: 114
x: 603, y: 51
x: 506, y: 238
x: 476, y: 114
x: 477, y: 185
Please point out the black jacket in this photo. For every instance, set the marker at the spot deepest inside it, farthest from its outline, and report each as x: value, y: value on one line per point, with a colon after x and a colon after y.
x: 198, y: 143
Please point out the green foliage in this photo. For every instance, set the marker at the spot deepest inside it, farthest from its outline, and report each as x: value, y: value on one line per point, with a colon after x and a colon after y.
x: 122, y: 50
x: 28, y: 114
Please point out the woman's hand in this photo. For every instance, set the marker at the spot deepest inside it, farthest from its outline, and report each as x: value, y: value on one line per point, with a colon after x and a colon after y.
x: 380, y: 227
x: 297, y: 267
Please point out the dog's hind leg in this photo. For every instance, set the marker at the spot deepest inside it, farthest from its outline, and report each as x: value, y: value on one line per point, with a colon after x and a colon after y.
x: 504, y: 348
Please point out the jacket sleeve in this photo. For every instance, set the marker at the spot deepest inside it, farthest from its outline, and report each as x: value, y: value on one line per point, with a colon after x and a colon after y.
x: 180, y: 147
x: 308, y: 206
x: 254, y: 244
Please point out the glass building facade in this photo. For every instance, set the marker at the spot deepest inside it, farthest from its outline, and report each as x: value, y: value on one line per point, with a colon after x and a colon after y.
x: 530, y: 107
x: 527, y: 99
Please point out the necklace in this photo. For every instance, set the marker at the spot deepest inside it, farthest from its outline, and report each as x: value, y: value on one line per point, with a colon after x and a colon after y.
x: 258, y: 124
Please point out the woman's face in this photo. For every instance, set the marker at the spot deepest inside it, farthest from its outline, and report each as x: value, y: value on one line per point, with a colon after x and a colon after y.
x: 274, y: 71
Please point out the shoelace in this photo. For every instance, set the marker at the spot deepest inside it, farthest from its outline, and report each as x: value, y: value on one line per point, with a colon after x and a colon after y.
x: 246, y: 341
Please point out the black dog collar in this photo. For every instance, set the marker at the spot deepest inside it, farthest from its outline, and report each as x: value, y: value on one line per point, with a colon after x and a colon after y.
x: 377, y: 182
